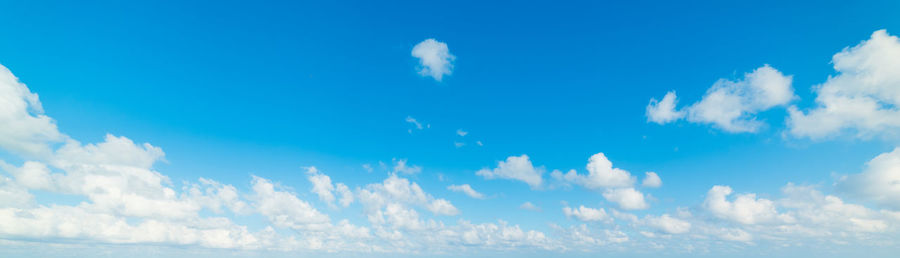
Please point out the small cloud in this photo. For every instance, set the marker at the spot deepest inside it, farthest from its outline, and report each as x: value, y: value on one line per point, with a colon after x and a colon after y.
x: 368, y: 167
x: 651, y: 180
x: 529, y: 206
x: 460, y: 132
x: 416, y: 124
x: 466, y: 189
x: 434, y: 57
x: 479, y: 143
x: 400, y: 166
x: 459, y: 144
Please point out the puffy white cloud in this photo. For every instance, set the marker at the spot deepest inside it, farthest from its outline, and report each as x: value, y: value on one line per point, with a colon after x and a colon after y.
x: 627, y: 198
x: 864, y: 97
x: 730, y: 105
x: 586, y: 214
x: 879, y: 182
x: 466, y: 189
x: 529, y: 206
x: 745, y: 209
x: 442, y: 207
x: 326, y: 191
x: 515, y: 168
x: 601, y: 174
x: 434, y: 57
x: 284, y: 209
x: 663, y: 111
x: 651, y: 179
x: 668, y: 224
x: 26, y: 130
x: 461, y: 133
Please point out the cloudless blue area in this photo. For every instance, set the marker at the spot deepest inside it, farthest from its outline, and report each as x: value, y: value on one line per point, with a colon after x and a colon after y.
x: 230, y: 89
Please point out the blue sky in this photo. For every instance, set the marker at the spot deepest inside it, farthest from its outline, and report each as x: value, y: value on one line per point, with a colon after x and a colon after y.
x: 255, y: 94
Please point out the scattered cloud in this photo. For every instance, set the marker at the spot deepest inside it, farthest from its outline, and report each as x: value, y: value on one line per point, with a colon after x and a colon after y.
x: 668, y: 224
x: 878, y: 183
x: 400, y: 166
x: 863, y: 98
x: 663, y: 111
x: 586, y: 214
x: 651, y: 179
x: 515, y: 168
x: 730, y: 105
x: 529, y: 206
x: 416, y: 124
x: 461, y: 133
x: 745, y: 209
x: 626, y: 198
x: 434, y: 57
x: 601, y: 174
x: 327, y: 191
x: 466, y: 189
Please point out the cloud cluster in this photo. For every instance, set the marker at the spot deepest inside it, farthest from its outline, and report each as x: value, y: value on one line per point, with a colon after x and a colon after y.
x: 617, y: 184
x: 729, y: 105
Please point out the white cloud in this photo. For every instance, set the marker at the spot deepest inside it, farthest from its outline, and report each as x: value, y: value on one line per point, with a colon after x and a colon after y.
x: 587, y: 214
x: 416, y: 124
x: 745, y: 209
x: 864, y: 97
x: 515, y: 168
x: 651, y: 179
x: 400, y: 166
x: 730, y: 105
x: 442, y: 207
x: 601, y: 174
x: 461, y: 133
x: 434, y: 57
x: 529, y: 206
x: 466, y: 189
x: 627, y: 198
x: 284, y: 209
x: 668, y: 224
x: 663, y: 111
x: 326, y: 191
x: 879, y: 182
x: 26, y: 130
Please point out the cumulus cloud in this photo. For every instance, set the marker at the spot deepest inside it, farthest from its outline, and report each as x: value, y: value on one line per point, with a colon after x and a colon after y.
x: 651, y: 179
x: 879, y: 182
x: 434, y: 57
x: 586, y: 214
x: 284, y: 209
x: 863, y: 98
x: 664, y: 111
x: 601, y: 174
x: 730, y: 105
x: 515, y: 168
x: 327, y: 191
x: 466, y: 189
x: 745, y: 209
x: 668, y: 224
x: 626, y: 198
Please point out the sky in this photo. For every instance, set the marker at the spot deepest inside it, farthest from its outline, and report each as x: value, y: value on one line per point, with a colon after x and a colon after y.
x: 463, y: 129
